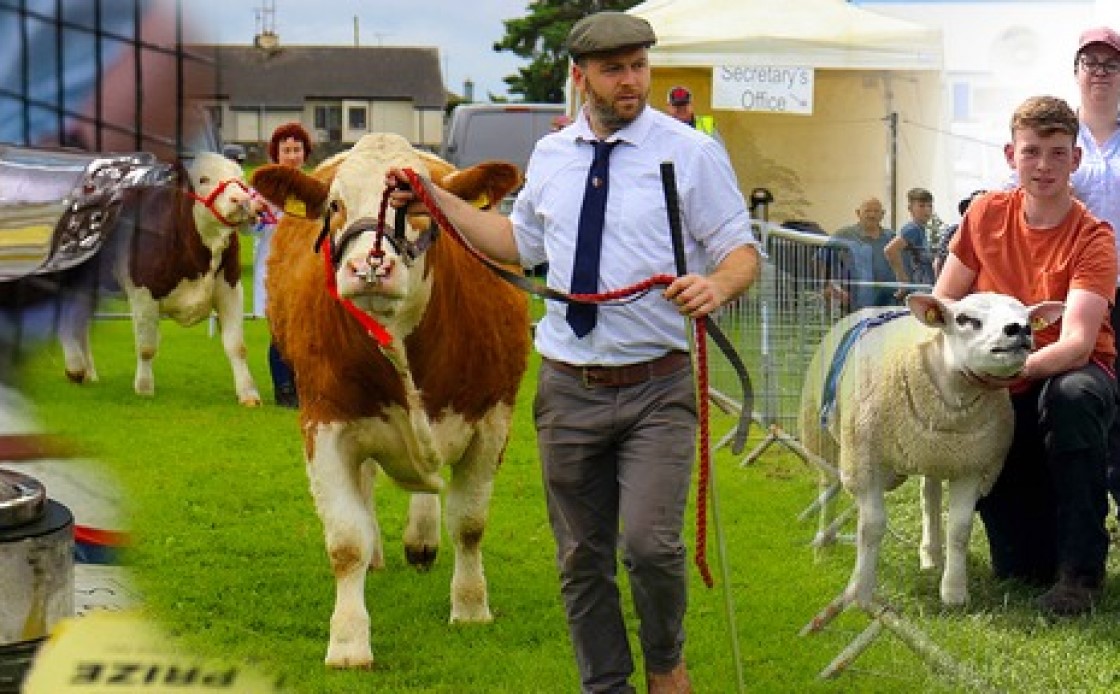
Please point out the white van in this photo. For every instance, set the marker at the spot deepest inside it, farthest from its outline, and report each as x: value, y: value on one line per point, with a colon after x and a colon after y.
x: 507, y: 132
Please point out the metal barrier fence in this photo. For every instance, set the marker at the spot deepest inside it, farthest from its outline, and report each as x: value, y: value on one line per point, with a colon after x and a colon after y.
x: 808, y: 283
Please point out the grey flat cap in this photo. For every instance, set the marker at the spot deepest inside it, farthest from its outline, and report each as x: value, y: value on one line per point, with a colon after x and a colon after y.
x: 604, y: 32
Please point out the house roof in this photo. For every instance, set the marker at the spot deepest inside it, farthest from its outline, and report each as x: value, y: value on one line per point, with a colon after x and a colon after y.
x: 287, y: 76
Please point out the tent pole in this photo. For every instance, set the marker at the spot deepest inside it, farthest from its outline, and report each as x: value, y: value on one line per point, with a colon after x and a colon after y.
x: 892, y: 119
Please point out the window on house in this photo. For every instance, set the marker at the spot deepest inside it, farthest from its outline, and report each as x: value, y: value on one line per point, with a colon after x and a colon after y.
x: 356, y: 117
x: 328, y: 117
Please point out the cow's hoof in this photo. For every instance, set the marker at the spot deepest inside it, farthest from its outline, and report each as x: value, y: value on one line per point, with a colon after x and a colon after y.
x: 76, y: 376
x: 421, y: 557
x: 249, y: 400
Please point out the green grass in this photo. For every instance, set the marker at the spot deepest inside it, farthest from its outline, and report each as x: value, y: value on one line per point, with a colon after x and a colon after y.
x: 229, y: 554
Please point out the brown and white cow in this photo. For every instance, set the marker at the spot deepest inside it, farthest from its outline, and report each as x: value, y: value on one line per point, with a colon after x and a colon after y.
x: 440, y: 393
x: 177, y: 255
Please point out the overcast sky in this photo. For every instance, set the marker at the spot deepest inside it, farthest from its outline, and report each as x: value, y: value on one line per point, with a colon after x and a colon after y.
x: 464, y: 31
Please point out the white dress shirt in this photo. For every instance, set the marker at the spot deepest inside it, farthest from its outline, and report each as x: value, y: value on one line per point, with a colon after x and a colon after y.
x: 636, y: 239
x: 1096, y: 182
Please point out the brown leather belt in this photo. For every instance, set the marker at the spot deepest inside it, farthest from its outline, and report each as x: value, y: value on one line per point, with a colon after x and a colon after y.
x: 622, y: 376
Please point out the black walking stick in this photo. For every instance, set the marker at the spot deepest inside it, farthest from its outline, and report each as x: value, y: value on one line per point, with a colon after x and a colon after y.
x: 672, y: 205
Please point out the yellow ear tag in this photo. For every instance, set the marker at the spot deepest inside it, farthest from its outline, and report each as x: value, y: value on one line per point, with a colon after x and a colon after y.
x: 296, y: 207
x: 931, y: 315
x: 481, y: 201
x: 1038, y: 323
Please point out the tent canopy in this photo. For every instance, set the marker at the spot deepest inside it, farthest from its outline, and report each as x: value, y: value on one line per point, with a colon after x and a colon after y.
x: 809, y: 33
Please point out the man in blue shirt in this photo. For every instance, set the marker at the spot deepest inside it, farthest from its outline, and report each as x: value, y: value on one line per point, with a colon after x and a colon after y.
x: 858, y: 253
x: 909, y: 253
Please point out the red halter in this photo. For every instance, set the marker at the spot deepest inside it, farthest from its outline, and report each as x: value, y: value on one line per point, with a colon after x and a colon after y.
x: 208, y: 201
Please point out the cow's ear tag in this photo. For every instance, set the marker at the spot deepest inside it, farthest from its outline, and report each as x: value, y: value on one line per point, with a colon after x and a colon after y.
x: 295, y: 207
x: 482, y: 202
x: 932, y: 315
x: 1038, y: 323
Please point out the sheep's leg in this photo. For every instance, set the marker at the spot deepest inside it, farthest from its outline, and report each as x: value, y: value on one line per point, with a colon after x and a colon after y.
x: 336, y: 486
x: 871, y: 527
x: 963, y: 494
x: 932, y: 550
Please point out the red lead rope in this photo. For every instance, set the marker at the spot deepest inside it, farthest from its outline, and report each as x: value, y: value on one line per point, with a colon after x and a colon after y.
x: 703, y: 479
x: 374, y: 329
x: 419, y: 187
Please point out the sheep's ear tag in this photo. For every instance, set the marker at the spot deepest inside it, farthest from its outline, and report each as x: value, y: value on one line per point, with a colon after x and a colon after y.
x: 295, y: 207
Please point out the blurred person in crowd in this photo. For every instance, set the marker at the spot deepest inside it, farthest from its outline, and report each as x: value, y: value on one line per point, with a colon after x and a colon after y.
x: 861, y: 249
x: 947, y: 235
x: 909, y: 252
x: 680, y: 107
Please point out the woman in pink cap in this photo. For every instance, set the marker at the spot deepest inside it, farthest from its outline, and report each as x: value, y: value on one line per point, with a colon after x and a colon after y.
x: 1097, y: 181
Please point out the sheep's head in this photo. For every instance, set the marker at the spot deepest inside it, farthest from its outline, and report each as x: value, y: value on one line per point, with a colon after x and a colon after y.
x: 985, y: 334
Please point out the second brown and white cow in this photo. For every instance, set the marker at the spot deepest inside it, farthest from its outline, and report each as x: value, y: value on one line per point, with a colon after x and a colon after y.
x: 176, y: 253
x: 440, y: 391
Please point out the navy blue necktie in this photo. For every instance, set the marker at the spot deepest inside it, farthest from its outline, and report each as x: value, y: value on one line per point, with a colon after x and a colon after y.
x: 589, y: 240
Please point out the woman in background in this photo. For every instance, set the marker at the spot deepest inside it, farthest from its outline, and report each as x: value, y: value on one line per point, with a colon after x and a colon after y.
x: 290, y: 145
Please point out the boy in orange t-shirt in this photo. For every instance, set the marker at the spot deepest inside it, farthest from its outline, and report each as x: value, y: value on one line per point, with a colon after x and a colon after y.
x: 1045, y: 516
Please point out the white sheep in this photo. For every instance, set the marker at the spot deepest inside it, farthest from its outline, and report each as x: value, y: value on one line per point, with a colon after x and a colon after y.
x: 908, y: 401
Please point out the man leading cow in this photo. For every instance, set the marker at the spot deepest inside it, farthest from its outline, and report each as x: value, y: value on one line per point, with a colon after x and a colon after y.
x: 616, y: 408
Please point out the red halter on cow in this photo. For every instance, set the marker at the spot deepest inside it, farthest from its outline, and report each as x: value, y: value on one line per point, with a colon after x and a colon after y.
x: 179, y: 257
x: 437, y: 391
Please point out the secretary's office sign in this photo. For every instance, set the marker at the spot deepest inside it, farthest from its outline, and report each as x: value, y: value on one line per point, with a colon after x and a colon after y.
x: 767, y: 88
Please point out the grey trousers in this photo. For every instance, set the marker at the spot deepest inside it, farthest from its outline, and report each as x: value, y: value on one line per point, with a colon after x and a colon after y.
x: 617, y: 462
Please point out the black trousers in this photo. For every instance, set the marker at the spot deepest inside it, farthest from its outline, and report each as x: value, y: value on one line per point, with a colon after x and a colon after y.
x: 1114, y: 434
x: 1047, y: 510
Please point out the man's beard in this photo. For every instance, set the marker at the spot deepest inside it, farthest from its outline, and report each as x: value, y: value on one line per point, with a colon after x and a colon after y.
x: 606, y: 114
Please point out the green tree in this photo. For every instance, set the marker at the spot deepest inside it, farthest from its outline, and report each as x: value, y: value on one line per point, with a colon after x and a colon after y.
x: 539, y: 38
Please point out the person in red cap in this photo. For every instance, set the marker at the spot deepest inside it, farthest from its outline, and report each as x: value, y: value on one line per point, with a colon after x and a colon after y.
x: 680, y: 107
x: 1097, y: 181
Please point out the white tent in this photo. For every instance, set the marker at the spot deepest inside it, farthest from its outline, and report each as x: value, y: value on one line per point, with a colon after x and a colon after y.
x: 818, y: 33
x: 877, y: 97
